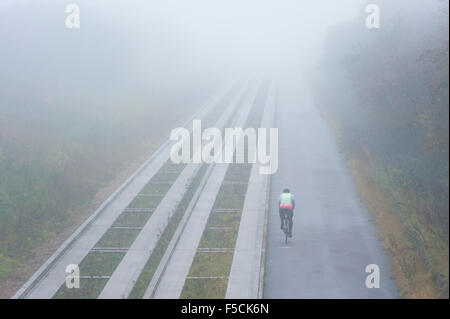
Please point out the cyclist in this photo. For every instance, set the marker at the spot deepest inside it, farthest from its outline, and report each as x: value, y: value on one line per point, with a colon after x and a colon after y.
x: 287, y: 205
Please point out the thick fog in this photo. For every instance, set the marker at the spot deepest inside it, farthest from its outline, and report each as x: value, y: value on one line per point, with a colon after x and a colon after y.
x: 130, y: 58
x: 129, y: 47
x: 82, y: 108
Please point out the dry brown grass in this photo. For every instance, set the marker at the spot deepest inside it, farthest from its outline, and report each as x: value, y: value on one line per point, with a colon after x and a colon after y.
x: 412, y: 267
x: 412, y: 278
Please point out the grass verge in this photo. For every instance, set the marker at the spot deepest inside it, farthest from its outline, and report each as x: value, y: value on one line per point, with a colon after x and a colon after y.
x: 419, y: 254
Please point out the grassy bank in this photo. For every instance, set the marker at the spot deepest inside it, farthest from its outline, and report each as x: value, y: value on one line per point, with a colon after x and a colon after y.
x: 50, y: 180
x: 419, y: 253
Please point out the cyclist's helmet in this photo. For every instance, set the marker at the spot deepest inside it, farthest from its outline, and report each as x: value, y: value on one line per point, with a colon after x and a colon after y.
x: 286, y: 190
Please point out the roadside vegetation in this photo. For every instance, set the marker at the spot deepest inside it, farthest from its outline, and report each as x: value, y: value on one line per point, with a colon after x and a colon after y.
x: 58, y: 160
x: 386, y: 99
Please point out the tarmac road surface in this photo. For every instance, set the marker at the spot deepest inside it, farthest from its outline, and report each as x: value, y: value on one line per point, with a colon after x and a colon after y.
x: 334, y: 236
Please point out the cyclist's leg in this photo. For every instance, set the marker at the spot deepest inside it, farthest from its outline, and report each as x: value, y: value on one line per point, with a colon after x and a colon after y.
x: 291, y: 224
x: 281, y: 217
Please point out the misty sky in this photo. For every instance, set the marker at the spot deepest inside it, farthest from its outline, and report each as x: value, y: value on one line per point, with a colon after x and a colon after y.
x: 162, y: 41
x: 128, y: 50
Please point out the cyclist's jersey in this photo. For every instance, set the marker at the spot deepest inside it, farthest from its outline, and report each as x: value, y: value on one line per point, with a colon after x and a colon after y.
x: 286, y: 201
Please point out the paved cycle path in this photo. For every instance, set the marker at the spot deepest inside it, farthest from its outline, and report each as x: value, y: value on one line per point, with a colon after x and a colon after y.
x: 334, y: 237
